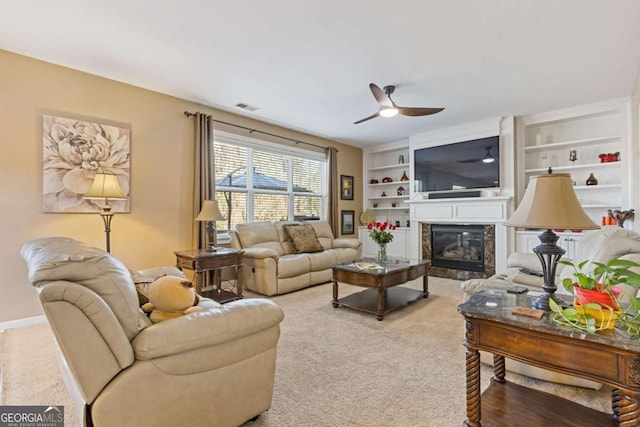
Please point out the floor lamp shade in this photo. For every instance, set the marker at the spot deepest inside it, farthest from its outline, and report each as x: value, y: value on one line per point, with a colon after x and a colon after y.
x: 550, y: 202
x: 105, y: 186
x: 210, y: 212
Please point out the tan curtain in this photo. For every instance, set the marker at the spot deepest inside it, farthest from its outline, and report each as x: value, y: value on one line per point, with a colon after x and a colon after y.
x: 334, y: 190
x: 204, y: 178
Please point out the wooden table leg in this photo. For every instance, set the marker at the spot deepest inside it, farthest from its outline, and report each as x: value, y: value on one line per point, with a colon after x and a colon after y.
x: 198, y: 284
x: 380, y: 303
x: 335, y: 294
x: 628, y: 409
x: 425, y: 286
x: 498, y: 368
x: 473, y: 388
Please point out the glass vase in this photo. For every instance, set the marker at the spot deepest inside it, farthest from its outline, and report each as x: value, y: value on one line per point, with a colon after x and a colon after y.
x: 382, y: 252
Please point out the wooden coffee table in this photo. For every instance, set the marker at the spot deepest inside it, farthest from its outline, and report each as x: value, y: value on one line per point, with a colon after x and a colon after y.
x: 384, y: 295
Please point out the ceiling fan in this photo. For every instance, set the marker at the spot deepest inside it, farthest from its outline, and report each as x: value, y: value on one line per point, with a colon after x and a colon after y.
x: 388, y: 108
x: 488, y: 158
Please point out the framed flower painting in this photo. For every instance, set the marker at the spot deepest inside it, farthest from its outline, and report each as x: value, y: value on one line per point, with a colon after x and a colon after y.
x: 73, y: 151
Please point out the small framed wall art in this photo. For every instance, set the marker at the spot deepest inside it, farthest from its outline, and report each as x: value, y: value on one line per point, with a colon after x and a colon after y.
x: 347, y: 222
x: 346, y: 187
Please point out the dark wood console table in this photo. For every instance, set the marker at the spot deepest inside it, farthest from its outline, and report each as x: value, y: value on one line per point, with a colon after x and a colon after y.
x: 611, y: 358
x: 384, y: 295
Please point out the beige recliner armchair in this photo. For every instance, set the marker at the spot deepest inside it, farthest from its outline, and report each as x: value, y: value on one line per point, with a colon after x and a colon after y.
x: 213, y: 367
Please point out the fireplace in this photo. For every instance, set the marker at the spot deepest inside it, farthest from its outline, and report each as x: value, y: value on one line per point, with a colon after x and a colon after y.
x: 459, y: 251
x: 460, y: 247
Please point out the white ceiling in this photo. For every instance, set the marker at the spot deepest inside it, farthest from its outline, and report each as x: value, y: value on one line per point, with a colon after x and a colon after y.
x: 307, y: 64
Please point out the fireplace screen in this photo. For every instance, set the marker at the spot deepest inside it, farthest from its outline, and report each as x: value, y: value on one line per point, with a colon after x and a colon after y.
x: 459, y: 247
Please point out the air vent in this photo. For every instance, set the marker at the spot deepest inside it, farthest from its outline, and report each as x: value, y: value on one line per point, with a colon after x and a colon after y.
x: 246, y: 106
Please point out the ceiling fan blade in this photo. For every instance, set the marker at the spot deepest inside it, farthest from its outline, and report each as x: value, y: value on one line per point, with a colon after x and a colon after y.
x: 373, y: 116
x: 417, y: 111
x: 469, y: 161
x: 380, y: 96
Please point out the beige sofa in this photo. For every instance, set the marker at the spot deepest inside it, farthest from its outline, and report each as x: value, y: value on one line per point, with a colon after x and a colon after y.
x: 213, y: 367
x: 599, y: 245
x: 272, y: 265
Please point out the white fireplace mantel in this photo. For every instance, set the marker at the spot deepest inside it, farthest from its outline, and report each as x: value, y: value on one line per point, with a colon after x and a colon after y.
x: 468, y: 210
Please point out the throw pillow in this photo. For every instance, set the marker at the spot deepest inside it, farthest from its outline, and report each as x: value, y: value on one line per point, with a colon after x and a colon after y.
x: 303, y: 237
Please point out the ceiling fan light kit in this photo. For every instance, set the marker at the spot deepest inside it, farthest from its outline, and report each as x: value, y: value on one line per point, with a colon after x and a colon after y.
x: 388, y: 108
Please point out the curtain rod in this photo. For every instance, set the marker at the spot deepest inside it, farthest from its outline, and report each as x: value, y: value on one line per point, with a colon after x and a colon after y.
x: 188, y: 114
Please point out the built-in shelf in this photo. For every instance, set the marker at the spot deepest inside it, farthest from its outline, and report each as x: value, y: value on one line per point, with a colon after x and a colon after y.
x: 574, y: 167
x: 380, y: 184
x: 388, y: 197
x: 384, y: 168
x: 596, y: 187
x: 574, y: 143
x: 389, y: 208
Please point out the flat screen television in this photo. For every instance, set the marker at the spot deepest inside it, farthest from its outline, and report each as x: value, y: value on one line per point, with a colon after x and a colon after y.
x: 458, y: 166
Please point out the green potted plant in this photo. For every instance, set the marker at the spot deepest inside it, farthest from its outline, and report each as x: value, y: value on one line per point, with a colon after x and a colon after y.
x: 597, y: 293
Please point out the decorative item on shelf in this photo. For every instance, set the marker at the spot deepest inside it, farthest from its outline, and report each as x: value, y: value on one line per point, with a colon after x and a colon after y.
x: 373, y: 181
x: 387, y: 179
x: 397, y: 223
x: 383, y: 194
x: 573, y: 155
x: 393, y: 204
x: 597, y: 295
x: 210, y: 213
x: 404, y: 176
x: 367, y: 216
x: 608, y: 220
x: 381, y: 233
x: 619, y: 217
x: 375, y: 204
x: 105, y: 187
x: 550, y: 203
x: 609, y: 157
x: 408, y: 223
x: 401, y: 159
x: 400, y: 191
x: 592, y: 180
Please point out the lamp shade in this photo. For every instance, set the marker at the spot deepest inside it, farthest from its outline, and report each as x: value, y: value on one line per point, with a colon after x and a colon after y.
x: 550, y: 202
x: 210, y: 212
x: 105, y: 186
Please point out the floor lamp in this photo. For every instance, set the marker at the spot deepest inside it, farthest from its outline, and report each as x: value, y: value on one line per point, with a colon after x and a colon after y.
x: 210, y: 213
x: 550, y: 203
x: 105, y: 186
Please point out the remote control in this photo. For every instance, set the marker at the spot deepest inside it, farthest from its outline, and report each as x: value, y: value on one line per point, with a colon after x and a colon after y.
x: 531, y: 272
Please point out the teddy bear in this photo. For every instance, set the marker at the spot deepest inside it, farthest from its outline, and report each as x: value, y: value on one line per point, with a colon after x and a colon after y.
x: 170, y: 297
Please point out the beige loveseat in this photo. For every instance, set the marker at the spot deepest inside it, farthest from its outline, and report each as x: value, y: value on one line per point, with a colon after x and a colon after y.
x: 272, y: 263
x: 215, y: 367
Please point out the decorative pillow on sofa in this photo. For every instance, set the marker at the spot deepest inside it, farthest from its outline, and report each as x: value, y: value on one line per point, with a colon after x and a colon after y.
x: 303, y: 237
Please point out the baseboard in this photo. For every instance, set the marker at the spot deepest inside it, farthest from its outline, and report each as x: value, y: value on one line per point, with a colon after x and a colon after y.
x: 19, y: 323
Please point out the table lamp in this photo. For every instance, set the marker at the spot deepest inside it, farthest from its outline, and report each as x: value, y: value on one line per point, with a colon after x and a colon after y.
x: 105, y: 186
x: 210, y: 212
x: 550, y: 203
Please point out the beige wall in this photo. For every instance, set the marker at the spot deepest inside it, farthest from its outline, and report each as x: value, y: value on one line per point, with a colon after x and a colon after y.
x: 161, y: 216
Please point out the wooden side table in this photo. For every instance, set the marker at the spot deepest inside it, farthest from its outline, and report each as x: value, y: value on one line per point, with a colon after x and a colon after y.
x: 208, y: 266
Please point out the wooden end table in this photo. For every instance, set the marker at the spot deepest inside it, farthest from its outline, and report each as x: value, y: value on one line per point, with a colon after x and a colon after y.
x: 611, y: 358
x: 208, y: 266
x: 384, y: 295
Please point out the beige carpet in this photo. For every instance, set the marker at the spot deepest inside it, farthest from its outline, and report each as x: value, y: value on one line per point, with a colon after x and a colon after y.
x: 336, y: 367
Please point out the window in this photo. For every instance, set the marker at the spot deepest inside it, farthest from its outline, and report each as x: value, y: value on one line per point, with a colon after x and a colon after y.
x: 258, y: 181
